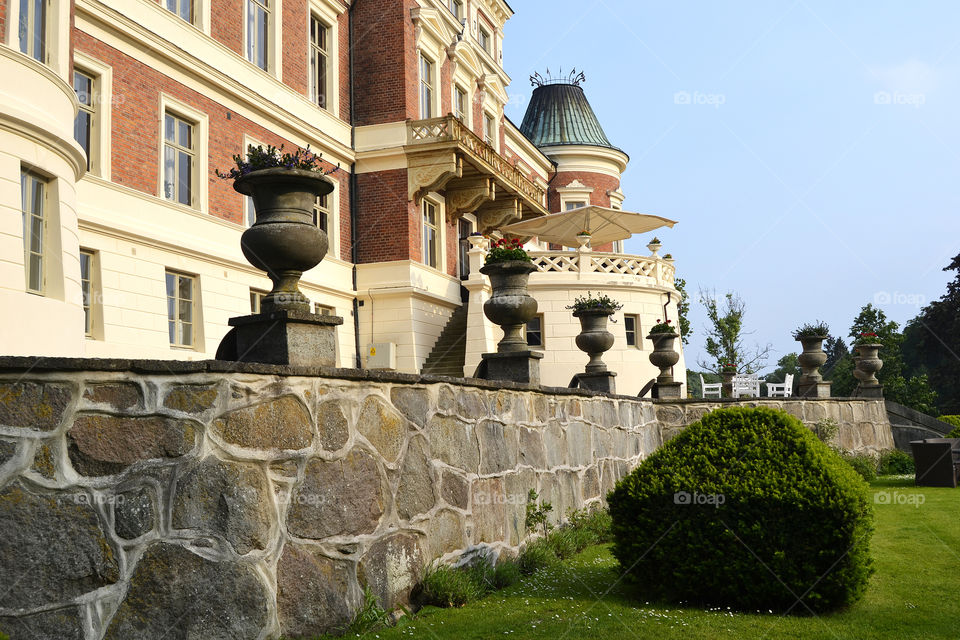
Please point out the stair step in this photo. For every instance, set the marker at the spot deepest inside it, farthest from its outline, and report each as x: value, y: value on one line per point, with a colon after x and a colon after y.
x: 449, y: 351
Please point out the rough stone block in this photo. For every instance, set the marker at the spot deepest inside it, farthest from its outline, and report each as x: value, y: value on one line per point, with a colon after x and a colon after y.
x: 7, y: 449
x: 332, y: 425
x: 119, y: 396
x: 383, y: 427
x: 44, y: 461
x: 531, y: 451
x: 392, y: 567
x: 472, y: 404
x: 555, y: 443
x: 590, y: 484
x: 337, y: 498
x: 498, y: 446
x: 579, y: 447
x: 315, y: 594
x: 31, y: 405
x: 195, y: 399
x: 444, y: 533
x: 227, y: 499
x: 283, y: 423
x: 454, y: 442
x: 413, y: 402
x: 516, y: 488
x: 134, y: 513
x: 52, y: 546
x: 489, y: 512
x: 670, y: 416
x: 455, y: 490
x: 101, y: 445
x: 415, y: 491
x: 176, y: 594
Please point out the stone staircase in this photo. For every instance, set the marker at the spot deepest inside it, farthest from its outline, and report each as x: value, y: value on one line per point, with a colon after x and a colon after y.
x: 448, y: 353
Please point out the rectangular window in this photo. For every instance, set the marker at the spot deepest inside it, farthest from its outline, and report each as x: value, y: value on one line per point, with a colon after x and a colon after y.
x: 618, y: 246
x: 33, y: 29
x: 460, y: 103
x: 83, y: 86
x: 321, y: 212
x: 33, y: 194
x: 489, y: 130
x: 178, y: 159
x: 534, y: 331
x: 323, y: 310
x: 249, y: 211
x: 180, y: 321
x: 258, y: 18
x: 426, y: 88
x: 484, y: 39
x: 431, y: 235
x: 256, y: 300
x: 86, y: 287
x: 319, y: 59
x: 182, y: 8
x: 574, y: 204
x: 631, y: 325
x: 456, y: 8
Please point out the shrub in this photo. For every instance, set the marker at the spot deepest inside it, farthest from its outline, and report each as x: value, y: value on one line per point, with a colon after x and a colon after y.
x: 955, y: 433
x: 445, y: 586
x: 746, y: 509
x: 538, y: 512
x: 535, y: 556
x: 865, y: 465
x: 895, y: 462
x: 826, y: 429
x: 370, y: 617
x: 506, y: 573
x: 597, y: 522
x: 954, y: 420
x: 563, y: 542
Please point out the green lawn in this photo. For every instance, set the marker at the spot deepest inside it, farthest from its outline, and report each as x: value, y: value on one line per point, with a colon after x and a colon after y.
x: 915, y: 592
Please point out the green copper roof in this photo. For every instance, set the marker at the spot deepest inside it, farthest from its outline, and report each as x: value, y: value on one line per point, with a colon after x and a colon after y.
x: 560, y: 114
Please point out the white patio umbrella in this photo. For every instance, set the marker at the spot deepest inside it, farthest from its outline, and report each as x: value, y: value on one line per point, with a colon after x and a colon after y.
x: 604, y: 225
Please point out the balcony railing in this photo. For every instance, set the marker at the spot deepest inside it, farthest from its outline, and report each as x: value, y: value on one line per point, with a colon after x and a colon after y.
x: 450, y: 129
x: 660, y: 271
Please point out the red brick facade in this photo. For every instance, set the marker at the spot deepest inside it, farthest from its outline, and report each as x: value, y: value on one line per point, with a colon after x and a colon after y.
x: 226, y: 24
x: 600, y: 182
x: 388, y: 224
x: 385, y: 61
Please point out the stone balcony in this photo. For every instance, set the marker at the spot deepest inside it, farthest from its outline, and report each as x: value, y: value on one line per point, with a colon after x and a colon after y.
x: 611, y: 268
x: 444, y: 154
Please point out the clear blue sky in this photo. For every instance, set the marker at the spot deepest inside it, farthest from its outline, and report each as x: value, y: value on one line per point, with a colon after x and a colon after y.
x: 815, y: 167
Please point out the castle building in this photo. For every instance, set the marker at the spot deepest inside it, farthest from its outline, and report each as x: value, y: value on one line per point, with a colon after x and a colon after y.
x: 118, y: 240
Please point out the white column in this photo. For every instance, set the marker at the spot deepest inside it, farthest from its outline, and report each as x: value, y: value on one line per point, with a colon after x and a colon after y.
x: 480, y: 338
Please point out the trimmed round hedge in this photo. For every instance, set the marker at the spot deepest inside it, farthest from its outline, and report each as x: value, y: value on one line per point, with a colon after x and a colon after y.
x: 746, y: 509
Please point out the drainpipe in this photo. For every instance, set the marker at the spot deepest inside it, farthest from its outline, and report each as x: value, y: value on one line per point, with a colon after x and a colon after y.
x: 354, y: 253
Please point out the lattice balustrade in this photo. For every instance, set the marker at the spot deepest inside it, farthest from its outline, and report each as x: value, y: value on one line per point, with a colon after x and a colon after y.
x: 660, y: 271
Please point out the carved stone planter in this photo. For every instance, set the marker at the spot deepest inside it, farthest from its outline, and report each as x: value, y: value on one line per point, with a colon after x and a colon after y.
x: 868, y: 364
x: 510, y: 307
x: 283, y: 240
x: 664, y: 356
x: 727, y: 378
x: 594, y: 340
x: 811, y: 359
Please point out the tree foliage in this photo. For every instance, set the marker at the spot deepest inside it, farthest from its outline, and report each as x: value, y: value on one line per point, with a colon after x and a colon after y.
x: 785, y: 366
x: 725, y: 335
x: 683, y: 311
x: 932, y: 344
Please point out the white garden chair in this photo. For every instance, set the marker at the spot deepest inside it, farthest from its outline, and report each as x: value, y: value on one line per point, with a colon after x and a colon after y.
x: 781, y: 389
x: 746, y: 385
x: 708, y: 388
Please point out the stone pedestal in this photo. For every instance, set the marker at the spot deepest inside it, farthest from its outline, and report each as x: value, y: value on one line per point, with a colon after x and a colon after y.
x: 600, y: 381
x: 282, y: 337
x: 814, y: 390
x: 514, y: 366
x: 667, y: 390
x: 870, y: 391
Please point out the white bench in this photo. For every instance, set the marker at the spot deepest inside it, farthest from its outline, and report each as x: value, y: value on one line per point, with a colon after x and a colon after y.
x: 781, y: 389
x: 708, y: 388
x: 747, y: 384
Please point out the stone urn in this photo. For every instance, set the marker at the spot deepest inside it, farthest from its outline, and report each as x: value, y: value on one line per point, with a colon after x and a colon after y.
x: 664, y: 356
x: 654, y: 247
x: 868, y: 364
x: 594, y: 339
x: 510, y: 306
x: 726, y: 377
x: 812, y: 358
x: 284, y: 241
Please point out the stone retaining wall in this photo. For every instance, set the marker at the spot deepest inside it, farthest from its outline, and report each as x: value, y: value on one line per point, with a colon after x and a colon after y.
x: 147, y: 500
x: 863, y: 424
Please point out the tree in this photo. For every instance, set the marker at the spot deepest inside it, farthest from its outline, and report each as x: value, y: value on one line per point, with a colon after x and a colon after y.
x: 725, y: 343
x: 785, y: 366
x: 683, y: 309
x: 932, y: 344
x: 835, y: 348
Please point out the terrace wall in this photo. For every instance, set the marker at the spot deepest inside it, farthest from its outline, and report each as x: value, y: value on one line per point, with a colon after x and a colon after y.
x: 139, y: 498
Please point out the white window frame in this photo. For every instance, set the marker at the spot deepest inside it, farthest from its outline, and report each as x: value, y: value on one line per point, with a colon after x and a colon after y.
x: 637, y: 329
x: 483, y: 30
x: 100, y: 135
x: 543, y: 332
x: 329, y: 12
x: 432, y: 108
x: 201, y: 125
x: 196, y: 322
x: 92, y: 301
x: 256, y: 300
x: 193, y: 9
x: 574, y: 192
x: 56, y: 36
x: 438, y: 226
x: 458, y: 9
x: 491, y: 137
x: 273, y: 48
x: 465, y: 115
x: 314, y: 52
x: 28, y: 178
x: 324, y: 309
